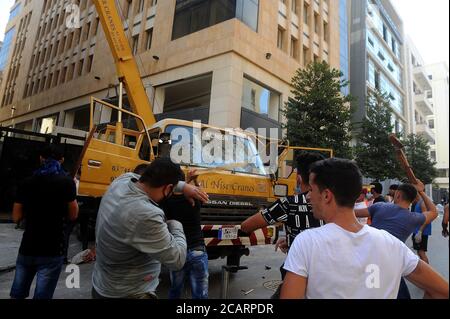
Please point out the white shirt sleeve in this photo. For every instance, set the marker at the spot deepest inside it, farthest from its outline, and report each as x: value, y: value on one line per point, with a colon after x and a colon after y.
x: 297, y: 260
x: 410, y: 260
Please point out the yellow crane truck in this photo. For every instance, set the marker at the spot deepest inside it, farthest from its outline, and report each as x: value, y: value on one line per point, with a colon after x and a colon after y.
x: 236, y: 190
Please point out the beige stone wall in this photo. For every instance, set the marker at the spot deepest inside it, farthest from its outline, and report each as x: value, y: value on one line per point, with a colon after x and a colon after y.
x: 228, y: 50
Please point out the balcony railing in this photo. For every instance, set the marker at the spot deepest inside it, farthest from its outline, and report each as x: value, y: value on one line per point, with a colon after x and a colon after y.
x: 423, y: 130
x: 423, y: 104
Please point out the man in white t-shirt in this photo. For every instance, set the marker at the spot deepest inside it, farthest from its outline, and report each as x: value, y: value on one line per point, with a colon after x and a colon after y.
x: 345, y: 259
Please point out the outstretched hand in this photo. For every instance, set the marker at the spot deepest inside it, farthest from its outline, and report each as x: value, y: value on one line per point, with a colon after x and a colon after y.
x: 193, y: 193
x: 282, y: 244
x: 418, y: 237
x: 419, y: 186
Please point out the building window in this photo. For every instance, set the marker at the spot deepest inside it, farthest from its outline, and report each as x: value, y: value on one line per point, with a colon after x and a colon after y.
x: 326, y: 33
x: 148, y: 39
x: 140, y: 6
x: 377, y: 80
x: 70, y: 40
x: 86, y: 31
x: 280, y: 38
x: 63, y: 45
x: 260, y: 99
x: 192, y: 16
x: 63, y: 75
x: 49, y: 82
x: 80, y: 67
x: 71, y: 71
x: 294, y: 48
x: 306, y: 59
x: 126, y: 9
x: 385, y: 33
x: 76, y: 38
x: 90, y: 60
x: 305, y: 13
x: 294, y: 6
x: 135, y: 44
x: 394, y: 46
x: 7, y: 45
x: 442, y: 173
x: 316, y: 24
x: 247, y: 12
x: 95, y: 28
x: 431, y: 124
x: 433, y: 156
x: 55, y: 82
x: 47, y: 125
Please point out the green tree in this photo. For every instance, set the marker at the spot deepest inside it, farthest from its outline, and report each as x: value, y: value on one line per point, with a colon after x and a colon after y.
x: 318, y: 115
x: 417, y: 152
x: 374, y: 153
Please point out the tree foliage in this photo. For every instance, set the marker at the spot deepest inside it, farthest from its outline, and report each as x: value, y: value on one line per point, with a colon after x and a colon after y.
x: 318, y: 114
x: 374, y: 153
x: 417, y: 152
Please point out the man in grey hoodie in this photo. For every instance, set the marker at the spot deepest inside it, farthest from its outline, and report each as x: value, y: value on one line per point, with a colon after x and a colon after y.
x: 133, y: 237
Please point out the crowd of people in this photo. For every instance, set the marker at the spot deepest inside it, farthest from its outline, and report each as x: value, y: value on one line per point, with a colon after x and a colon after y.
x: 338, y: 243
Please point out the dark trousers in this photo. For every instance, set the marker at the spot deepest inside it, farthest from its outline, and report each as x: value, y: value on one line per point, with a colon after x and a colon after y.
x: 68, y: 227
x: 403, y: 291
x: 46, y: 270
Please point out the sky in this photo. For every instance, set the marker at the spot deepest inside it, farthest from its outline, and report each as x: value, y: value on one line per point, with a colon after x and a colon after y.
x: 427, y: 23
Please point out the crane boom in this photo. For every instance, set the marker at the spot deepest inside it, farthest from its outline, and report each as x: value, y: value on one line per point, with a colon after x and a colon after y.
x: 127, y: 68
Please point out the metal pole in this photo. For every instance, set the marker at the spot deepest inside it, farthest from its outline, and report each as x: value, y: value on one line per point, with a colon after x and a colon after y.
x: 119, y: 125
x: 120, y: 101
x: 225, y: 280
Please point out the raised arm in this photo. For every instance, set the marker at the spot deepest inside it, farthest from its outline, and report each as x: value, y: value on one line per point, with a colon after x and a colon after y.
x: 253, y: 223
x: 277, y: 212
x: 430, y: 211
x: 429, y: 280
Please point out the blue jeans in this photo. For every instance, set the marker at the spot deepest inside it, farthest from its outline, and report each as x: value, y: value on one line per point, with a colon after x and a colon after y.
x: 196, y: 269
x: 46, y: 270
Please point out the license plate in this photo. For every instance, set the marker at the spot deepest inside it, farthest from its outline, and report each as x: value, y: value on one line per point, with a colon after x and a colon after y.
x: 227, y: 233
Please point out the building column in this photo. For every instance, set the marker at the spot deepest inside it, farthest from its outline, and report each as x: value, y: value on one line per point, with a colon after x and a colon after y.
x: 226, y: 95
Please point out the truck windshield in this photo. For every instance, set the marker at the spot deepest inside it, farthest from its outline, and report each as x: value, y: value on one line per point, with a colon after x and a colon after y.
x: 212, y: 148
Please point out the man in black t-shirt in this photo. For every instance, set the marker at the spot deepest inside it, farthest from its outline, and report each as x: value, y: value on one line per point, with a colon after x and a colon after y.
x: 195, y: 269
x: 46, y: 200
x: 293, y: 211
x: 377, y: 191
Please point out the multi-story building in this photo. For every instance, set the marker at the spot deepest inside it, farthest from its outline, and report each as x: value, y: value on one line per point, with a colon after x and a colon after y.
x: 226, y: 62
x: 1, y: 72
x: 419, y: 90
x: 376, y: 54
x: 439, y: 123
x: 344, y: 44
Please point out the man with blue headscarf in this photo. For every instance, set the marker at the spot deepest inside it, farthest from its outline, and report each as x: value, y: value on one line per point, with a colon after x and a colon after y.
x: 46, y: 200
